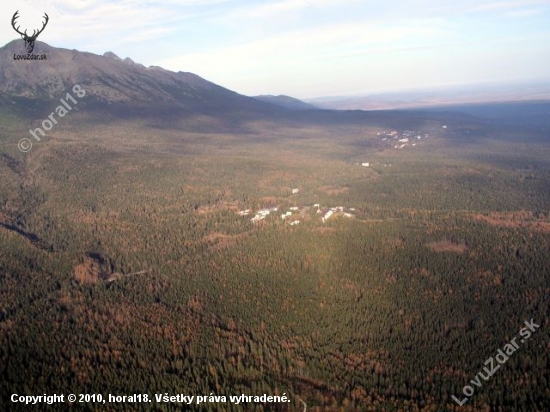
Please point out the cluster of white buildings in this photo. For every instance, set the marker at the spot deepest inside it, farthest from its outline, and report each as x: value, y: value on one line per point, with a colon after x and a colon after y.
x: 262, y: 214
x: 334, y: 210
x: 405, y: 139
x: 287, y: 215
x: 326, y: 214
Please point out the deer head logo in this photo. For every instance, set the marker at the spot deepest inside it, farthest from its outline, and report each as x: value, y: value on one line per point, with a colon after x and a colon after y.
x: 29, y: 40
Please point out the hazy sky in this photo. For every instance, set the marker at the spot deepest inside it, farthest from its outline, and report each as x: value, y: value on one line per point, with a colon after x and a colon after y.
x: 307, y: 48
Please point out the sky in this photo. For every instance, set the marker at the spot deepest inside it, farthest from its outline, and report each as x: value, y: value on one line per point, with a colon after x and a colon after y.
x: 307, y: 48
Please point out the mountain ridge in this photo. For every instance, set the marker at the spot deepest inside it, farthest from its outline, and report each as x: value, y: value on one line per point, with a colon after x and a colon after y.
x: 111, y: 80
x: 286, y: 102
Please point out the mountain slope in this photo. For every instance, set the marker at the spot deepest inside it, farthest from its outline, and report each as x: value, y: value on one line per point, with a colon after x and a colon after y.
x: 110, y: 80
x: 286, y: 102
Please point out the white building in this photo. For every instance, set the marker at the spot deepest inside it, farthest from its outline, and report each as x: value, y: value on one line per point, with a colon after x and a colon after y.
x: 295, y: 191
x: 262, y: 214
x: 327, y: 216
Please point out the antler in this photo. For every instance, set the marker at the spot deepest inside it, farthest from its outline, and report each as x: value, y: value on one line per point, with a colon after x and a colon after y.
x: 34, y: 33
x: 15, y: 17
x: 43, y: 26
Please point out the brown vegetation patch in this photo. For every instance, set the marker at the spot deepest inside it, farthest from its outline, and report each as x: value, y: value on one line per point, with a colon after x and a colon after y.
x: 519, y: 219
x: 323, y: 229
x: 274, y: 179
x: 334, y: 190
x: 127, y: 169
x: 269, y: 201
x: 447, y: 246
x: 89, y: 272
x: 222, y: 241
x: 395, y: 242
x: 5, y: 219
x: 203, y: 210
x: 86, y: 217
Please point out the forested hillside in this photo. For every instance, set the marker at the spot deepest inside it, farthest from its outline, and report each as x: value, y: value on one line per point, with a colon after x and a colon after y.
x: 130, y: 261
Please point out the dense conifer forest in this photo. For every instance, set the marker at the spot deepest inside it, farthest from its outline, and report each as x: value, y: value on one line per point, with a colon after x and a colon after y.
x: 131, y: 263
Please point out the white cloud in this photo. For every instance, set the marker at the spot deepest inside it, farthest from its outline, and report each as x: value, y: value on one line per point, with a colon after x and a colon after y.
x: 85, y: 22
x: 273, y: 9
x: 525, y: 12
x: 488, y: 7
x: 506, y: 5
x: 295, y: 54
x: 251, y: 45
